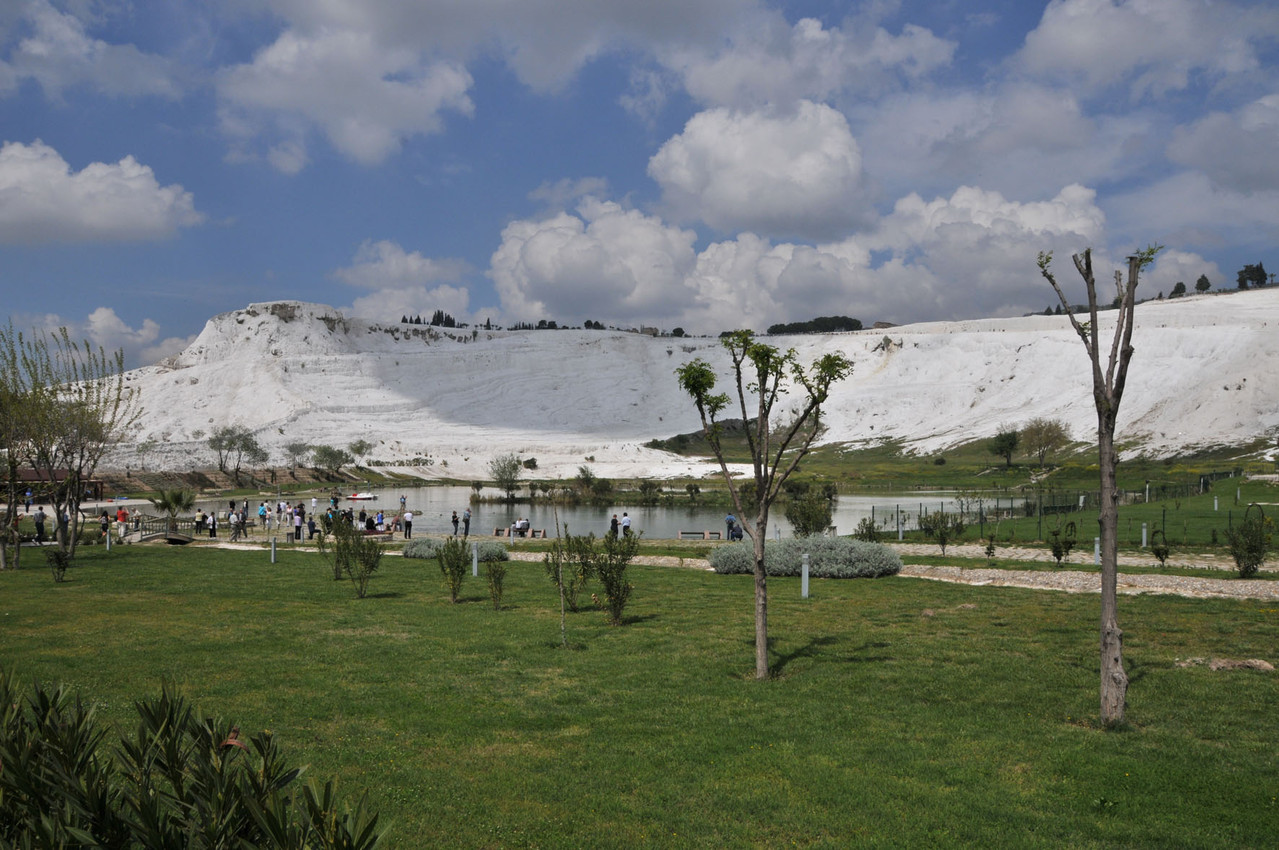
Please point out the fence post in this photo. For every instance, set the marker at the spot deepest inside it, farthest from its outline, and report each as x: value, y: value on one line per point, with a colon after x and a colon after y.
x: 899, y: 523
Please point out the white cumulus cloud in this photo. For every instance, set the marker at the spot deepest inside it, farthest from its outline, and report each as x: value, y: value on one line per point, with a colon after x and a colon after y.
x: 793, y: 174
x: 43, y: 200
x: 58, y: 53
x: 364, y: 97
x: 385, y: 265
x: 768, y: 61
x: 1151, y: 46
x: 1236, y: 150
x: 604, y: 261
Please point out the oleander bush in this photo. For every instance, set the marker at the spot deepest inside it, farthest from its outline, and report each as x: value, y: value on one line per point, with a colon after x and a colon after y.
x: 177, y: 779
x: 828, y: 557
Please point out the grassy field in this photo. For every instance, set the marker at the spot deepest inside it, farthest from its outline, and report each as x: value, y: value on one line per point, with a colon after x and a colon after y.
x: 905, y: 713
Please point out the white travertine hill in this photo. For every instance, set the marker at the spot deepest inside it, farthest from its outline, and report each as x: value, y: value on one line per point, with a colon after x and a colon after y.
x: 1203, y: 374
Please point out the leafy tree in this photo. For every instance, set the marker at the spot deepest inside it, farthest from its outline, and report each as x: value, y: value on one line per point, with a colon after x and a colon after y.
x: 506, y: 469
x: 1108, y: 388
x: 1043, y: 436
x: 573, y: 569
x: 1203, y: 284
x: 360, y: 448
x: 822, y: 324
x: 1249, y: 541
x: 762, y: 373
x: 1005, y: 445
x: 942, y: 527
x: 677, y: 332
x: 616, y: 553
x: 452, y: 558
x: 809, y: 512
x: 235, y: 445
x: 1251, y: 275
x: 296, y: 453
x: 331, y: 459
x: 1178, y: 290
x: 585, y: 479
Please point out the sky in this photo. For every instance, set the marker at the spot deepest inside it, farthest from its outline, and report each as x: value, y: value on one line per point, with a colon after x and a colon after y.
x: 701, y: 164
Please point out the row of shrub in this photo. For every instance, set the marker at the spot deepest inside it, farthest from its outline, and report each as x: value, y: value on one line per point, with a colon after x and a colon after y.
x: 828, y: 557
x: 429, y: 547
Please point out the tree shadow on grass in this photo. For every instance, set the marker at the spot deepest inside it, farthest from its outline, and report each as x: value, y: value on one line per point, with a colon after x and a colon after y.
x: 390, y: 594
x: 808, y: 650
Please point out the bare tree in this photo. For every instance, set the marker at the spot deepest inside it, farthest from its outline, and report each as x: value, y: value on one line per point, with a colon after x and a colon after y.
x: 77, y: 408
x: 1108, y: 389
x: 763, y: 372
x: 1043, y: 436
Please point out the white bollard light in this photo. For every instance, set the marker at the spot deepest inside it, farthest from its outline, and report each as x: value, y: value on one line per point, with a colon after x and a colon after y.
x: 475, y: 559
x: 1143, y: 535
x: 1096, y: 550
x: 803, y: 586
x: 273, y: 550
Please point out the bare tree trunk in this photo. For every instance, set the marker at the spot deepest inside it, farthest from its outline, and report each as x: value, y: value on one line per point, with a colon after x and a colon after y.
x: 761, y: 601
x: 1114, y: 681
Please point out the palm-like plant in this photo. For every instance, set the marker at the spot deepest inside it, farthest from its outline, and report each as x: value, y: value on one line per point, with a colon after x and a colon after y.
x: 173, y: 502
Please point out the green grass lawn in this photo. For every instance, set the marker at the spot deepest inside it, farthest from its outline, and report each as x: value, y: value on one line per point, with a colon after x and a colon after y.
x: 905, y: 713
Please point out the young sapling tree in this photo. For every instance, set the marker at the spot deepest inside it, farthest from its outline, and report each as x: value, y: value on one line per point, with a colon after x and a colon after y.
x: 760, y: 375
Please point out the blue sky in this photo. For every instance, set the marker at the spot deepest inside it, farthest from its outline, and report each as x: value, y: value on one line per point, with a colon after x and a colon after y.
x: 703, y: 164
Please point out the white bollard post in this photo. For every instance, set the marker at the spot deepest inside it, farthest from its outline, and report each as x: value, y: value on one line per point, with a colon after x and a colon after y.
x: 108, y: 539
x: 803, y: 585
x: 1096, y: 550
x: 1214, y: 503
x: 273, y: 550
x: 1143, y: 535
x: 475, y: 559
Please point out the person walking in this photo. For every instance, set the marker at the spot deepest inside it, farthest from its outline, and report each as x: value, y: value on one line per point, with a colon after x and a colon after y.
x: 39, y: 517
x: 456, y: 520
x: 626, y: 524
x: 466, y: 523
x: 213, y: 524
x: 297, y: 523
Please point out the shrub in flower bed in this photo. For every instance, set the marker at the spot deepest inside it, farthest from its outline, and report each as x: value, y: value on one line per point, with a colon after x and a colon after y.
x: 828, y: 557
x: 429, y: 547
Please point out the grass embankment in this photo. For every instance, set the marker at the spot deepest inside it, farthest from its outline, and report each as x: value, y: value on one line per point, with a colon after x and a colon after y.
x: 905, y: 713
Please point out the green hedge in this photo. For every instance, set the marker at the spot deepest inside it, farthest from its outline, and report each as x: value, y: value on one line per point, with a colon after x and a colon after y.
x: 828, y: 557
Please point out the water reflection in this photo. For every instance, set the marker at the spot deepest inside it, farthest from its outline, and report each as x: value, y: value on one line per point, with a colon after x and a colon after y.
x: 433, y: 507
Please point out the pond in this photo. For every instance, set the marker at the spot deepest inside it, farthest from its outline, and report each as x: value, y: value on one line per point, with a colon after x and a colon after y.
x: 433, y: 507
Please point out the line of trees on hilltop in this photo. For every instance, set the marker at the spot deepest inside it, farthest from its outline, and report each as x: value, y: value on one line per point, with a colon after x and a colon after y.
x: 820, y: 325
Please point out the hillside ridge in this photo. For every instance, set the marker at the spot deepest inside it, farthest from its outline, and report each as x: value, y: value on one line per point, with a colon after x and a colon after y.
x: 292, y: 371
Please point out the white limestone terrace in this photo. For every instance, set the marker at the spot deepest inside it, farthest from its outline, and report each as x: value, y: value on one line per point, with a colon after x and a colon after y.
x: 1204, y: 374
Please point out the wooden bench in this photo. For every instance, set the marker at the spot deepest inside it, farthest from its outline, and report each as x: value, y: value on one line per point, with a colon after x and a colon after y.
x: 698, y: 535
